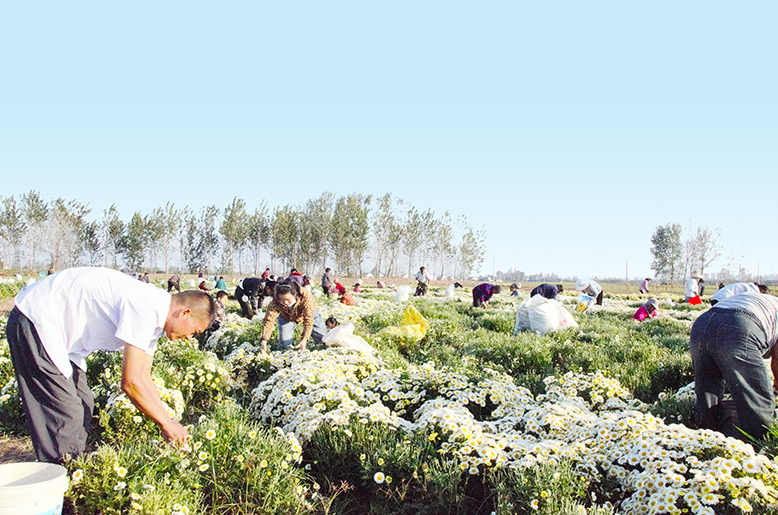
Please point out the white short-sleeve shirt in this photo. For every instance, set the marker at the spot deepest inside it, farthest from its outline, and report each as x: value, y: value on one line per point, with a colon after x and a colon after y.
x: 81, y: 310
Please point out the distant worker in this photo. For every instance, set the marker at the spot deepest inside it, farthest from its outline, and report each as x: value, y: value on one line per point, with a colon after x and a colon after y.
x: 344, y: 296
x: 692, y: 289
x: 644, y: 285
x: 358, y: 286
x: 549, y: 291
x: 202, y: 286
x: 174, y: 282
x: 591, y: 288
x: 380, y: 285
x: 221, y: 284
x: 248, y: 292
x: 327, y: 281
x: 291, y: 305
x: 737, y: 289
x: 648, y: 310
x: 515, y: 292
x: 422, y: 282
x: 701, y: 283
x: 266, y: 273
x: 483, y: 293
x: 295, y: 276
x: 729, y: 343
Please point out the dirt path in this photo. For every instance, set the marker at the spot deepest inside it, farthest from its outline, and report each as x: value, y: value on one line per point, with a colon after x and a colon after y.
x: 15, y: 450
x: 6, y: 305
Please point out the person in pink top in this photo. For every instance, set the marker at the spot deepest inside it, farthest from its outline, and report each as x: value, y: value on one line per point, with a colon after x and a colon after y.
x: 648, y: 310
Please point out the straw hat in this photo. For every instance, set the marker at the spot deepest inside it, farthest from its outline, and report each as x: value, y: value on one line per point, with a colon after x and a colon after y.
x: 582, y: 284
x: 696, y: 275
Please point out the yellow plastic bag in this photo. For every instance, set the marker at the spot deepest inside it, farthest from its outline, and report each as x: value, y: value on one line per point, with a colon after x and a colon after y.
x: 412, y: 325
x: 409, y: 331
x: 413, y: 317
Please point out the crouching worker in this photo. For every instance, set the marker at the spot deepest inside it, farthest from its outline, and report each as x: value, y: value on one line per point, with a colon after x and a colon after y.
x: 729, y: 344
x: 291, y: 305
x: 483, y: 293
x: 58, y: 321
x: 648, y: 310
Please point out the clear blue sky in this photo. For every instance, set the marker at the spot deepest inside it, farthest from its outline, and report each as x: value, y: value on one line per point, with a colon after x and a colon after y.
x: 569, y: 130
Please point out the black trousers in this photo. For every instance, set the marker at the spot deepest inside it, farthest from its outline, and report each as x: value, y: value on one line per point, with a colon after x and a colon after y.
x: 58, y: 409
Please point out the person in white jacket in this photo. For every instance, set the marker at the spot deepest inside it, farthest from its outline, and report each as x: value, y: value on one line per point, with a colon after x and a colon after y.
x: 693, y: 285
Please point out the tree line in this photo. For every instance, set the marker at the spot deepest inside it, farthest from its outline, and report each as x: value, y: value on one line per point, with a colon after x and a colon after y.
x: 675, y: 257
x: 346, y: 233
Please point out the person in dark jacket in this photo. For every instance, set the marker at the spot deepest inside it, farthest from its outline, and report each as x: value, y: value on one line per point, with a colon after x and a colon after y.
x: 174, y: 282
x: 482, y: 293
x: 247, y: 293
x: 549, y: 291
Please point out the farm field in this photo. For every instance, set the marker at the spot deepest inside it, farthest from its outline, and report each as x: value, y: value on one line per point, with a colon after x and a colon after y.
x: 470, y: 419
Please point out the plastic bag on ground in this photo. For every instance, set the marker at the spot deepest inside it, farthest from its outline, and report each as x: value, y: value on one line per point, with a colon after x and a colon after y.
x: 543, y: 316
x: 695, y: 300
x: 343, y: 336
x: 413, y: 317
x: 584, y: 303
x: 403, y: 294
x: 407, y: 331
x: 450, y: 290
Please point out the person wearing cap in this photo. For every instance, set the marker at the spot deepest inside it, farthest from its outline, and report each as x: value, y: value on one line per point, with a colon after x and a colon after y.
x: 737, y: 289
x: 59, y: 321
x: 648, y: 310
x: 729, y: 345
x: 692, y: 289
x: 591, y: 288
x: 291, y: 305
x: 644, y: 285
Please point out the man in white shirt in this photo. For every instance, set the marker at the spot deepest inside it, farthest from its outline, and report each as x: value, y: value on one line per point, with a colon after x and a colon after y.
x: 423, y: 282
x: 58, y: 321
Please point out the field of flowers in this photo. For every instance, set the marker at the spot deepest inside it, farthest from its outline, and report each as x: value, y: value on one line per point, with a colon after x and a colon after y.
x: 470, y: 419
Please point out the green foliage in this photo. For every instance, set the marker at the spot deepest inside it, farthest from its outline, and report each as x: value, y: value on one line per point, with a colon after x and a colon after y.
x: 390, y: 471
x: 8, y: 290
x: 234, y: 466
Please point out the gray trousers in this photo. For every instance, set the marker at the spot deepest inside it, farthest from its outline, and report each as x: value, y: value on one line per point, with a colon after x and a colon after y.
x: 58, y: 410
x: 727, y: 347
x: 286, y: 331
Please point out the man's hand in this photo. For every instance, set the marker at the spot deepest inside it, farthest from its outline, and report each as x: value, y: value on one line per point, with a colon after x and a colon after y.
x: 263, y: 347
x: 302, y: 344
x: 174, y: 433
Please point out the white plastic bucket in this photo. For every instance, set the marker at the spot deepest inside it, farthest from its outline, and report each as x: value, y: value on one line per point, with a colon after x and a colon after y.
x: 32, y: 488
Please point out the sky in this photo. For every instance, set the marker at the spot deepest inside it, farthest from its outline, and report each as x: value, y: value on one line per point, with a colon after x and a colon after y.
x: 569, y: 130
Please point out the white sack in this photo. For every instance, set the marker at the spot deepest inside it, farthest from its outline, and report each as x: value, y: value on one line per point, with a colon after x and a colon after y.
x: 542, y: 315
x: 403, y: 294
x: 343, y: 336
